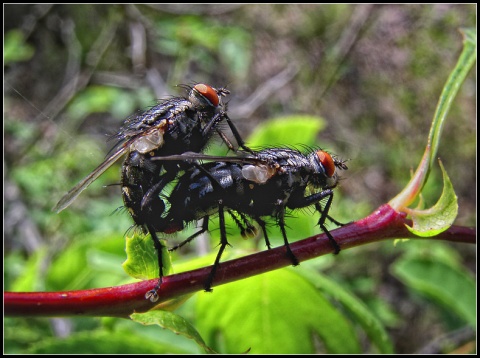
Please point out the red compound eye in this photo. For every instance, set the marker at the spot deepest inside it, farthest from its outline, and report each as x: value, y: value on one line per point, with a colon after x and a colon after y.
x: 208, y: 92
x: 327, y: 162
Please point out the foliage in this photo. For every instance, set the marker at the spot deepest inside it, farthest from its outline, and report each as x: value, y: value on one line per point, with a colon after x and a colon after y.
x: 15, y: 49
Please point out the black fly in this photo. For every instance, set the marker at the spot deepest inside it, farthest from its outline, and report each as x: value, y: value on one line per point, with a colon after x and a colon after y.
x: 176, y: 125
x: 250, y: 187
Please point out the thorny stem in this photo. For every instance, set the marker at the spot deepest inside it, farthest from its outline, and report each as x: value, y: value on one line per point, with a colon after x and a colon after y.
x: 121, y: 301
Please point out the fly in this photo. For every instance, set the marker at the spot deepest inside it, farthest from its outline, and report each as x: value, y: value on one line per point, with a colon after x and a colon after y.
x: 144, y: 133
x: 250, y: 187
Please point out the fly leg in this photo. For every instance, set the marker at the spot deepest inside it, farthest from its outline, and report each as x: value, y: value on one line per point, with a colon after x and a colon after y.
x: 191, y: 237
x: 246, y: 228
x: 321, y: 223
x: 223, y: 244
x: 281, y: 223
x: 319, y: 208
x: 302, y: 202
x: 235, y: 133
x: 262, y: 224
x: 225, y: 139
x: 151, y: 196
x: 152, y: 294
x: 213, y: 124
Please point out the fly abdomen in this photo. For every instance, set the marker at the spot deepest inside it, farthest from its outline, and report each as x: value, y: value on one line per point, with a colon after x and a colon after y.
x: 138, y: 175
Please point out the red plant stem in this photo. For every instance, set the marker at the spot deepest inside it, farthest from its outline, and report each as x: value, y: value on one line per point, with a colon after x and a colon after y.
x: 121, y: 301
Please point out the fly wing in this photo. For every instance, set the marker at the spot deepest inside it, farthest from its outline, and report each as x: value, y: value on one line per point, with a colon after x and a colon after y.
x: 192, y: 156
x: 68, y: 198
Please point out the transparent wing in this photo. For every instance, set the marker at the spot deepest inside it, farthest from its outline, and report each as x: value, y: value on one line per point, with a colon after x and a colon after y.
x: 242, y: 157
x: 68, y: 198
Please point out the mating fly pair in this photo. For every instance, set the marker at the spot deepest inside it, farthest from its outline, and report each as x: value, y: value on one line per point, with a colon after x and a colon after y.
x: 151, y: 140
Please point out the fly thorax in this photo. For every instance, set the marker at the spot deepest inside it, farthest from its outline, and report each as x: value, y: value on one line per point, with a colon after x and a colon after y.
x: 180, y: 108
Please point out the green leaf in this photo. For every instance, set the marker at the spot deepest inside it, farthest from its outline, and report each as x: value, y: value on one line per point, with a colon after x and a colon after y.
x: 469, y: 36
x: 15, y: 49
x: 287, y: 131
x: 438, y: 218
x: 142, y: 260
x: 235, y: 51
x: 69, y: 270
x: 92, y: 260
x: 31, y: 274
x: 467, y: 58
x: 279, y: 312
x: 102, y: 342
x: 450, y: 286
x: 96, y: 99
x: 360, y: 312
x: 173, y: 322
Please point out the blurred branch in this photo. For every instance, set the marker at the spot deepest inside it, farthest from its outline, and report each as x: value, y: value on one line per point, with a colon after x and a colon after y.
x: 117, y: 79
x: 74, y: 49
x: 152, y: 75
x: 138, y: 46
x: 17, y: 221
x: 339, y: 53
x: 121, y: 301
x: 30, y: 21
x: 447, y: 342
x: 156, y: 81
x: 264, y: 92
x: 78, y: 80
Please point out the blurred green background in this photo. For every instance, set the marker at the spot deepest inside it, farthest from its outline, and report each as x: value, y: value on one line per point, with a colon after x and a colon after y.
x: 371, y: 73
